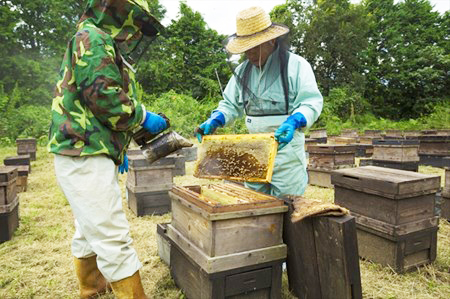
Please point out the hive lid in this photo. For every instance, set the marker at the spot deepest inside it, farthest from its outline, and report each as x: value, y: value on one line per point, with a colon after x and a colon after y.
x: 7, y: 174
x: 387, y: 182
x: 245, y: 157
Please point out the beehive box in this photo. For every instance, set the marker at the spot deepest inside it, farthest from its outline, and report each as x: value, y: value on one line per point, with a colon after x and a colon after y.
x: 435, y: 160
x: 8, y: 184
x: 368, y: 139
x: 350, y: 133
x: 223, y: 219
x: 396, y: 150
x: 393, y: 197
x: 163, y: 243
x: 148, y: 203
x: 434, y: 145
x: 324, y: 261
x: 319, y: 177
x: 393, y: 134
x: 22, y: 177
x: 373, y: 133
x: 328, y: 157
x: 319, y: 134
x: 27, y: 146
x: 404, y: 253
x: 145, y: 177
x: 411, y: 133
x: 137, y: 159
x: 309, y: 142
x: 245, y: 157
x: 9, y: 219
x: 258, y: 280
x: 342, y: 140
x: 18, y: 160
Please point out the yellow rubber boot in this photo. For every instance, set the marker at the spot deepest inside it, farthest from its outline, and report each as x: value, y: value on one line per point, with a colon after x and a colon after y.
x: 129, y: 288
x: 92, y: 283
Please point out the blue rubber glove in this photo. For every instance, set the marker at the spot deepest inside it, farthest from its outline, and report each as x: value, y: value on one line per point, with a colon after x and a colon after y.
x: 154, y: 123
x: 285, y: 131
x: 124, y: 166
x: 217, y: 119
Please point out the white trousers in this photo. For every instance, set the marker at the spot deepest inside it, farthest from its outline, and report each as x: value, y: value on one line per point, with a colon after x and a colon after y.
x: 91, y: 186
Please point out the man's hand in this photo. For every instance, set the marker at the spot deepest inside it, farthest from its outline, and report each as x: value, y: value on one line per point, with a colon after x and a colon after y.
x: 155, y: 123
x: 216, y: 120
x: 124, y: 166
x: 286, y: 130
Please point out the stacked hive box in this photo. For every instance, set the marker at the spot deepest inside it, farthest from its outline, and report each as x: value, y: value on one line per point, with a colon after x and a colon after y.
x: 9, y: 203
x: 319, y: 134
x: 23, y: 166
x: 221, y: 250
x: 342, y: 140
x: 393, y: 134
x: 350, y: 133
x: 325, y: 158
x: 445, y: 202
x: 27, y: 146
x: 394, y: 212
x: 433, y: 149
x: 148, y: 185
x: 397, y: 154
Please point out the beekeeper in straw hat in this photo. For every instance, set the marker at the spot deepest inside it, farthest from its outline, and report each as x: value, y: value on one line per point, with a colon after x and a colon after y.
x: 277, y: 92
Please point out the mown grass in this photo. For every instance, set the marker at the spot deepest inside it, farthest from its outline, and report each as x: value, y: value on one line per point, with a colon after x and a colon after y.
x: 37, y: 262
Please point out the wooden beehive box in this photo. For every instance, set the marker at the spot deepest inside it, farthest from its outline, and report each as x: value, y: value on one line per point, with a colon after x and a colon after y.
x: 145, y: 177
x: 244, y: 157
x: 373, y: 133
x: 393, y: 133
x: 396, y: 150
x: 342, y: 140
x: 8, y: 184
x: 329, y: 157
x: 434, y: 145
x: 22, y: 177
x: 309, y: 142
x: 319, y: 177
x: 397, y: 201
x: 409, y: 166
x: 349, y: 133
x: 225, y: 219
x: 318, y: 134
x: 163, y: 243
x: 411, y: 133
x: 27, y: 146
x: 148, y: 202
x: 402, y: 253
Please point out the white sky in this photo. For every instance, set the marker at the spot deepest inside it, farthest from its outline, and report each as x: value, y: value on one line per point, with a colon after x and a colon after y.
x: 221, y: 14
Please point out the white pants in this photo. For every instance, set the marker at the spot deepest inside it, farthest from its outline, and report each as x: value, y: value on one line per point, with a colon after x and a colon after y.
x: 91, y: 186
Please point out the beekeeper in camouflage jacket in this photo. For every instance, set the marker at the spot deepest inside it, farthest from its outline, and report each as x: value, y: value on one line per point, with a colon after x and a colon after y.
x: 94, y: 113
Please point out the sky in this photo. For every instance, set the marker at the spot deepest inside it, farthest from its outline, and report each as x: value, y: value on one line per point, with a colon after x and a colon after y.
x: 220, y: 15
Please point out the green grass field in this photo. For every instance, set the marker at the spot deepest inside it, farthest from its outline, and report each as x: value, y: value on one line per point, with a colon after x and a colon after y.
x: 37, y: 262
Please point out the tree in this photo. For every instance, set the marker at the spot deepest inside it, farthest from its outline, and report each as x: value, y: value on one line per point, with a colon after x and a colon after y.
x: 407, y: 59
x: 185, y: 61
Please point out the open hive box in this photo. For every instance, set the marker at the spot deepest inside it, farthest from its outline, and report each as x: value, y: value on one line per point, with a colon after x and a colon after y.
x: 245, y: 157
x: 222, y: 220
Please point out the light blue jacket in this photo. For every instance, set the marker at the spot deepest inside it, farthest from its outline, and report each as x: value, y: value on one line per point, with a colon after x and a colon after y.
x: 289, y: 175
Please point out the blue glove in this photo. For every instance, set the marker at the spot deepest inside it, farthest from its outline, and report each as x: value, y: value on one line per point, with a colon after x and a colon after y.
x: 217, y: 119
x: 154, y: 123
x: 124, y: 166
x: 285, y: 132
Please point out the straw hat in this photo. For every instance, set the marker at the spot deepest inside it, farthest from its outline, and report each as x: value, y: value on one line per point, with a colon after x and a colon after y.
x: 253, y: 27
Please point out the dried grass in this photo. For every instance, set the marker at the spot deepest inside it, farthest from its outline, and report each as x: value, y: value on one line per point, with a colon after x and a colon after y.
x: 37, y: 262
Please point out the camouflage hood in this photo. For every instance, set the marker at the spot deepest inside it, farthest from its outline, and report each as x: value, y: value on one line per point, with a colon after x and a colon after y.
x: 124, y: 20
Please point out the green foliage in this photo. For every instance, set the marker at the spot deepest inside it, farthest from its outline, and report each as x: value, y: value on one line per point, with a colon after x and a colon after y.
x: 186, y: 60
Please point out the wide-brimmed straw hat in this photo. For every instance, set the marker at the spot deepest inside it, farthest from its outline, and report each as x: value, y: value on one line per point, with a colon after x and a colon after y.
x: 253, y: 27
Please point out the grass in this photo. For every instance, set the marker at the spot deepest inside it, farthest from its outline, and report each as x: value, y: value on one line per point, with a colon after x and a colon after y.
x: 37, y: 262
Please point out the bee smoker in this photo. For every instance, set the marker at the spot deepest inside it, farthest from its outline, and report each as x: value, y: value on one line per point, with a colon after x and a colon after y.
x: 156, y: 146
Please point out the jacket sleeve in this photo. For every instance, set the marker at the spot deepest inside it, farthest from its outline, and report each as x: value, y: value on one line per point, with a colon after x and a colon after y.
x: 101, y: 85
x: 308, y: 100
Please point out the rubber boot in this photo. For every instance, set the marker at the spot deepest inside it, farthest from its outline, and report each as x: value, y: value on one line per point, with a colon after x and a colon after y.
x: 92, y: 283
x: 129, y: 288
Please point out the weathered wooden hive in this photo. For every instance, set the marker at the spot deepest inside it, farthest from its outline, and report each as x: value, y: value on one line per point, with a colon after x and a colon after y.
x: 9, y: 203
x: 445, y: 202
x: 325, y: 158
x: 27, y: 146
x: 393, y: 134
x: 226, y: 241
x: 22, y: 163
x: 398, y: 154
x: 18, y: 160
x: 342, y: 140
x: 319, y: 134
x: 350, y: 133
x: 433, y: 149
x: 395, y: 213
x: 148, y: 185
x: 373, y: 133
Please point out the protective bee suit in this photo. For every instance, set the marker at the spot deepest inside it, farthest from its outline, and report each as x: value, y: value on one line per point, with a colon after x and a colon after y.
x: 267, y: 95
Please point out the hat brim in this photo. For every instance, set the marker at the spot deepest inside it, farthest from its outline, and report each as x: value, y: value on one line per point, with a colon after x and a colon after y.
x: 240, y: 44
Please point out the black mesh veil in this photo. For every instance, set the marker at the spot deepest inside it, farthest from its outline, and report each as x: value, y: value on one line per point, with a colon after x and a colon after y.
x: 254, y: 81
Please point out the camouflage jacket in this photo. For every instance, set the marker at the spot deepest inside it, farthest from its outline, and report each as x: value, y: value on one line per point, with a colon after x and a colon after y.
x: 95, y: 109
